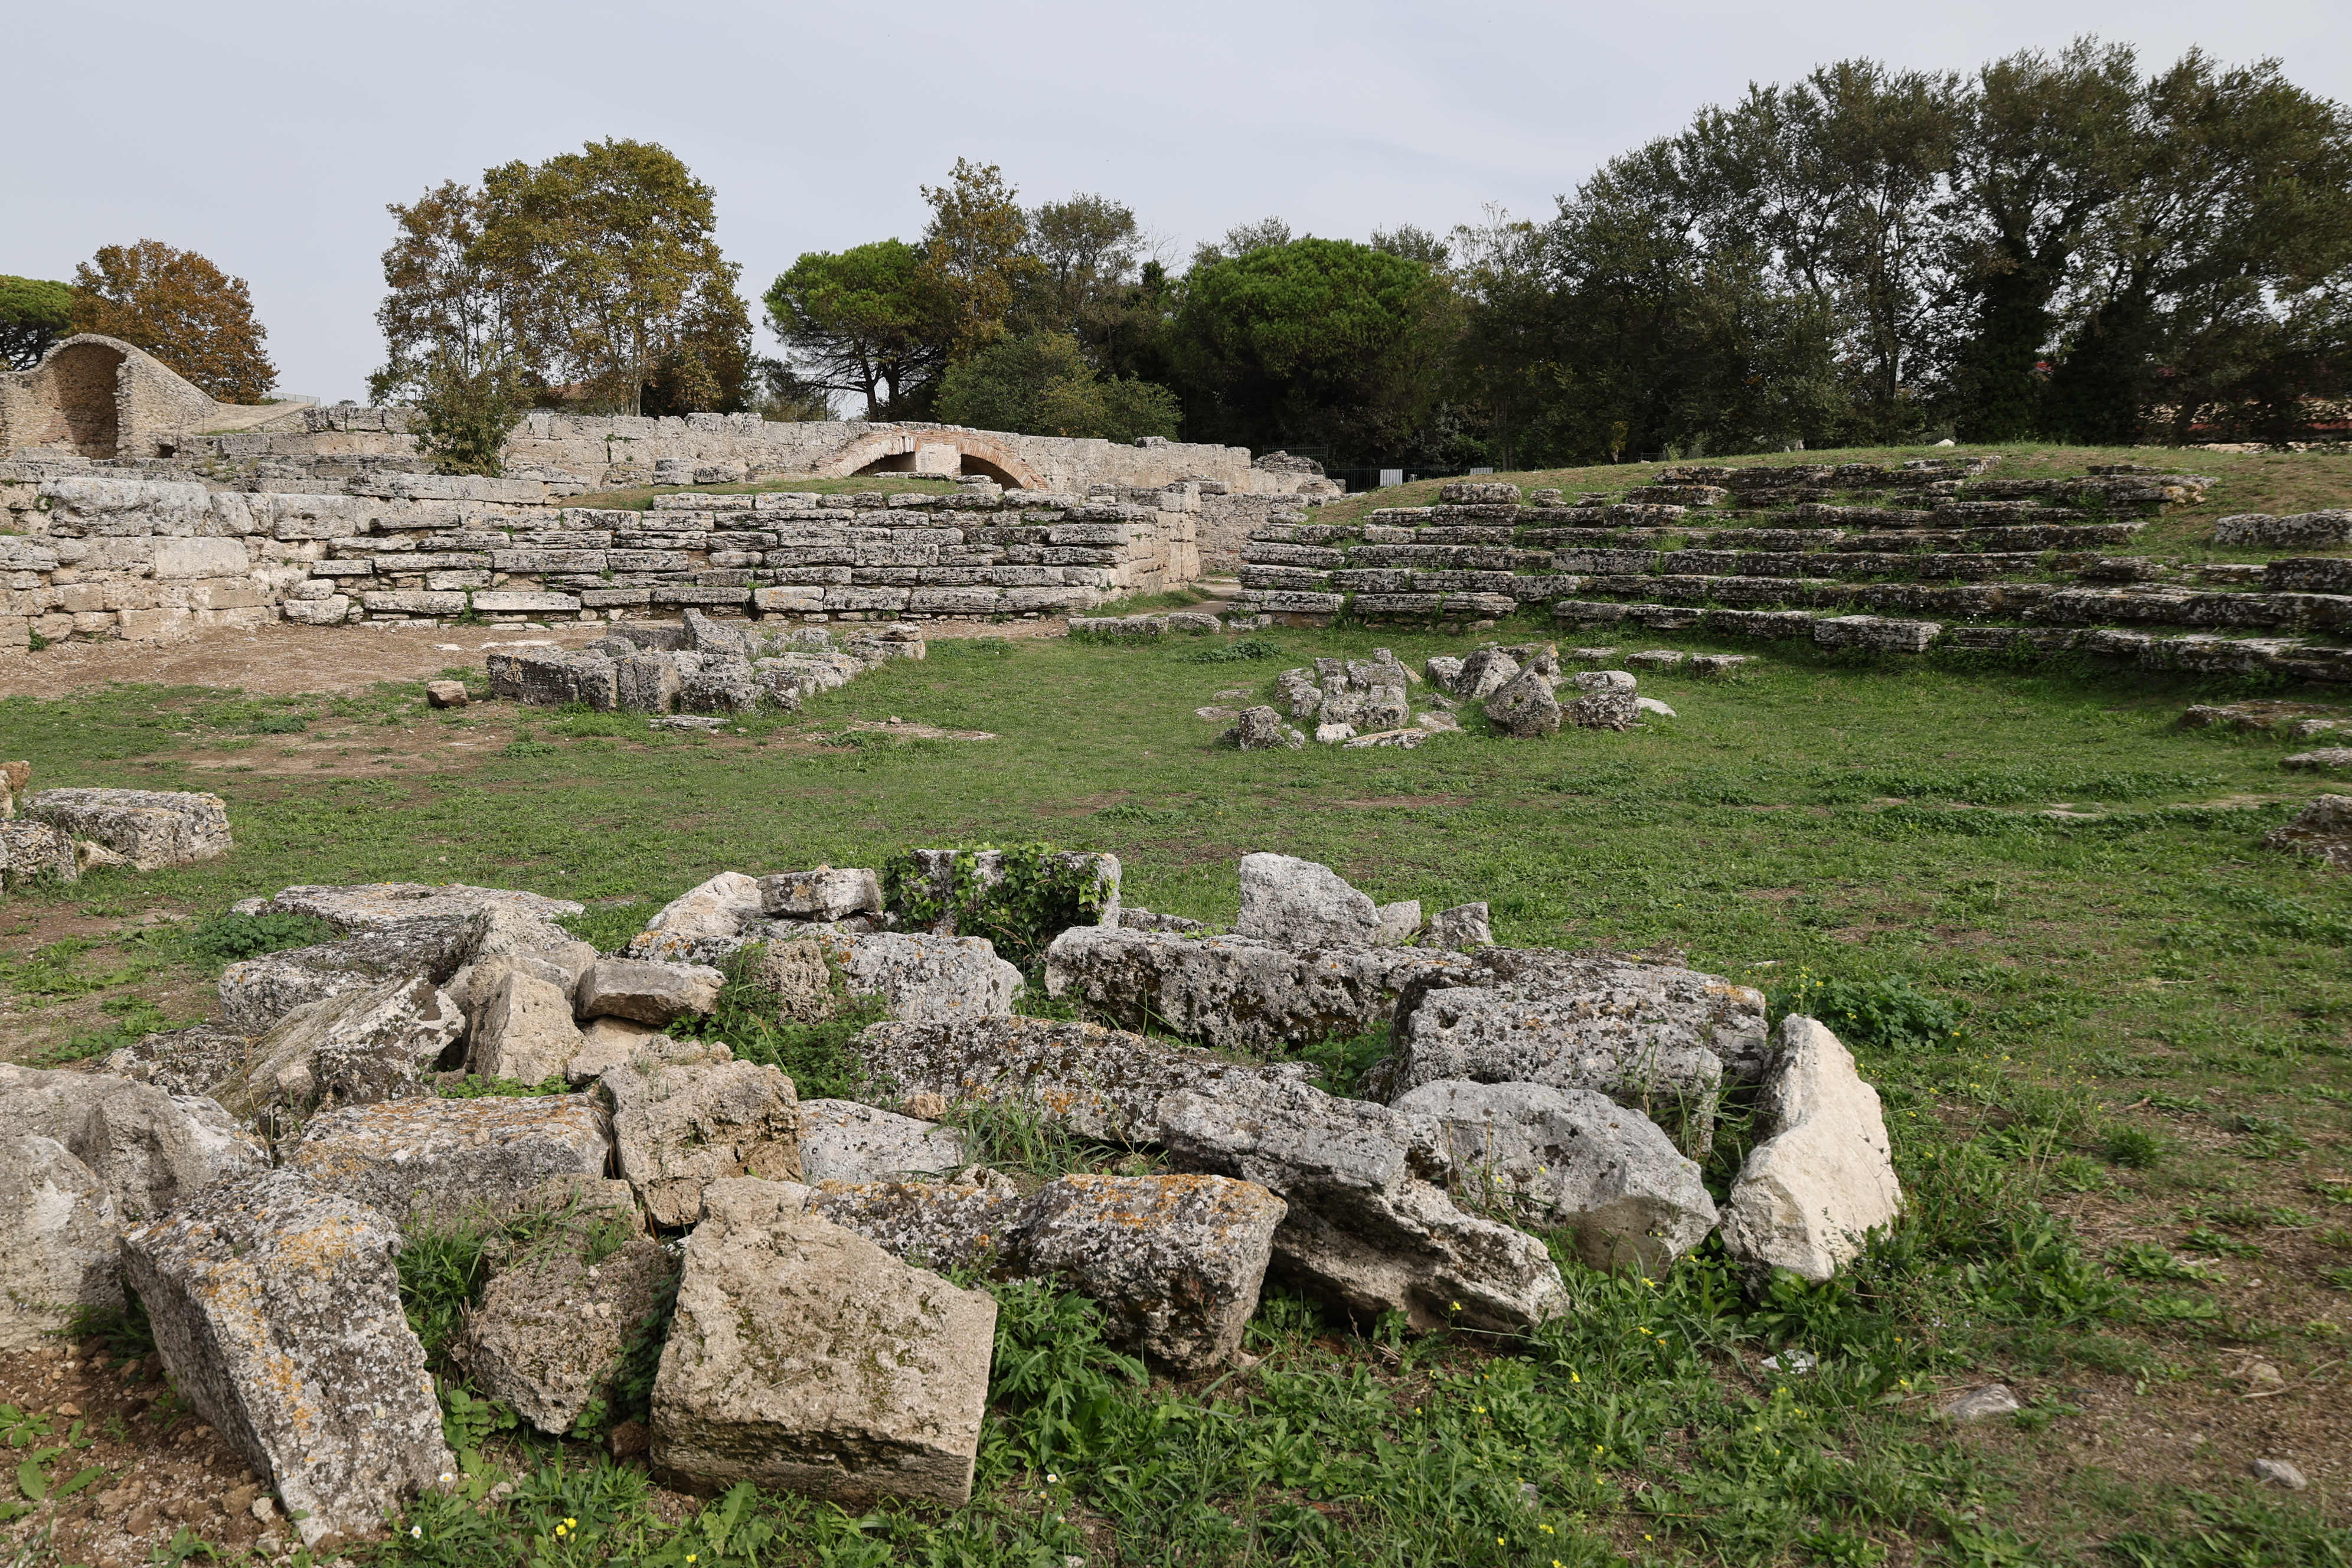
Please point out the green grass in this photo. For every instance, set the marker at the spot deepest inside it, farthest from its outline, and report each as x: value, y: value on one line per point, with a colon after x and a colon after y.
x: 2128, y: 1024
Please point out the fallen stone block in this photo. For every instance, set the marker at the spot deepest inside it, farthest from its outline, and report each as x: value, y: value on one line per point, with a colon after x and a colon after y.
x: 823, y: 894
x: 652, y: 994
x: 551, y: 1330
x: 1370, y: 1227
x: 1099, y: 1083
x: 842, y: 1141
x: 524, y: 1033
x: 1654, y: 1038
x: 972, y: 1221
x: 1300, y: 905
x: 1461, y: 929
x: 805, y: 1359
x: 1569, y: 1157
x: 922, y: 978
x: 2323, y: 828
x: 1261, y: 729
x: 2326, y: 760
x: 1875, y: 634
x: 678, y: 1126
x: 1823, y: 1177
x: 1525, y: 707
x: 149, y: 829
x: 1177, y: 1260
x: 800, y: 977
x: 445, y: 1159
x: 608, y: 1043
x: 1613, y: 709
x: 34, y: 853
x: 357, y: 1048
x: 181, y: 1061
x: 1233, y: 992
x: 153, y: 1150
x: 58, y: 1243
x: 276, y: 1306
x: 445, y: 694
x: 1400, y: 922
x: 256, y: 993
x: 703, y: 924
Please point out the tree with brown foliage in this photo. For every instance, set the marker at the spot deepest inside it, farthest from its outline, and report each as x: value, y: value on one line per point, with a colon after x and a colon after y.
x: 179, y: 307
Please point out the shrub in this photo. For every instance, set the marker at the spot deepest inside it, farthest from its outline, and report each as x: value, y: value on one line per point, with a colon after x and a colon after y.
x: 1891, y: 1013
x: 223, y: 939
x: 1019, y: 896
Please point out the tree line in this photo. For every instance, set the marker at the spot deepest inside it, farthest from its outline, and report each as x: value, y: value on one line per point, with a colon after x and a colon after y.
x: 2057, y: 245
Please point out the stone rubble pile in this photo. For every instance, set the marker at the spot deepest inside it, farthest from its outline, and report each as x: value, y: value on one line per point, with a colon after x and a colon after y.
x: 253, y: 1181
x: 58, y: 833
x: 697, y: 666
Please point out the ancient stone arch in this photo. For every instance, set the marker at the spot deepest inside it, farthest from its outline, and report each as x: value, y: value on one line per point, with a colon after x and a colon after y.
x: 82, y: 382
x: 100, y: 398
x: 943, y: 452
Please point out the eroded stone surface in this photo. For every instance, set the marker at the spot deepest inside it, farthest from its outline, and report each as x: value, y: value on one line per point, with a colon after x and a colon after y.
x: 58, y: 1230
x: 679, y: 1127
x: 807, y: 1359
x: 256, y: 993
x: 551, y: 1328
x: 971, y: 1221
x: 152, y: 1149
x: 525, y: 1031
x: 703, y: 924
x: 359, y: 1047
x: 923, y: 978
x: 842, y: 1141
x: 1298, y: 904
x: 370, y: 906
x: 647, y: 993
x: 276, y: 1305
x: 1824, y: 1178
x: 149, y: 829
x: 2322, y: 829
x: 450, y: 1158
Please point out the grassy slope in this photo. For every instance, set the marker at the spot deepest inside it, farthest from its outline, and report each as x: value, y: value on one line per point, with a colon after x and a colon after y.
x: 2151, y: 1049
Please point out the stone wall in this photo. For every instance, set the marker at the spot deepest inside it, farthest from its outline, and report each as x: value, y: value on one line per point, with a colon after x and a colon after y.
x: 90, y: 554
x: 96, y: 397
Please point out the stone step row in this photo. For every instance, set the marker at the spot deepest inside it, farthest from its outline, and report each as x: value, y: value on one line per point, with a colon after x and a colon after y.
x: 2022, y: 538
x: 787, y: 599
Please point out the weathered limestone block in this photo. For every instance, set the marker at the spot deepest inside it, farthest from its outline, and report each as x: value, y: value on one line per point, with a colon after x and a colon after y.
x: 2325, y: 760
x: 924, y: 978
x: 525, y: 1031
x: 651, y: 994
x: 1609, y: 709
x: 680, y: 1126
x: 2323, y: 828
x: 181, y: 1061
x: 1370, y: 1227
x: 1099, y: 1083
x: 1400, y: 922
x: 151, y: 828
x: 256, y: 993
x: 1300, y: 905
x: 1651, y: 1037
x: 807, y: 1359
x: 842, y: 1141
x: 551, y: 1330
x: 1178, y: 1261
x: 371, y: 906
x: 32, y: 853
x: 1525, y: 707
x: 448, y: 1158
x: 152, y: 1149
x: 361, y: 1047
x: 1811, y: 1192
x: 1483, y: 673
x: 1461, y: 929
x: 823, y: 894
x: 57, y: 1231
x: 1571, y: 1157
x: 277, y: 1308
x: 2321, y: 528
x: 972, y: 1220
x: 1231, y: 992
x: 703, y: 924
x: 1261, y: 729
x: 1875, y: 633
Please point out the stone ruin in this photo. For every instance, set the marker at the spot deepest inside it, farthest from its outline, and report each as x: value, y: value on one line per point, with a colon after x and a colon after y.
x: 54, y: 836
x: 697, y: 666
x: 207, y: 1170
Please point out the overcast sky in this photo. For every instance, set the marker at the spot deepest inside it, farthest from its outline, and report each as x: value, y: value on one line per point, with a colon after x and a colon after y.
x: 270, y: 137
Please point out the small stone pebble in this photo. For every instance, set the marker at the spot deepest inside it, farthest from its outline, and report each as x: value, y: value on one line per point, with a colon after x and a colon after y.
x: 1977, y: 1404
x: 2278, y: 1473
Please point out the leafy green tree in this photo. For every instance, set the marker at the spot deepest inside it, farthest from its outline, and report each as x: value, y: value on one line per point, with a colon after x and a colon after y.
x: 34, y: 314
x: 1041, y: 384
x: 466, y: 409
x: 871, y: 320
x: 180, y: 308
x: 443, y: 305
x: 709, y: 366
x: 609, y: 267
x: 1089, y: 251
x: 1315, y: 342
x: 976, y: 247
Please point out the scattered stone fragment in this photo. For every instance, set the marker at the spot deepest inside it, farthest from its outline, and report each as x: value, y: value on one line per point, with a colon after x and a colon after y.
x: 805, y: 1359
x: 1611, y: 710
x: 1332, y: 734
x: 1652, y: 705
x: 842, y: 1141
x: 1098, y: 1083
x: 1718, y: 666
x: 1526, y: 707
x: 1571, y: 1157
x: 359, y: 1047
x: 971, y: 1221
x: 1656, y: 658
x: 1979, y: 1405
x: 277, y: 1308
x: 149, y: 828
x: 1796, y: 1363
x: 653, y: 993
x: 923, y: 977
x: 2326, y: 760
x: 1602, y: 681
x: 1460, y: 928
x: 2323, y: 828
x: 1301, y: 905
x: 1368, y: 1226
x: 551, y: 1328
x: 2278, y: 1473
x: 823, y: 894
x: 57, y: 1245
x: 1388, y: 740
x: 33, y: 853
x: 256, y: 993
x: 1261, y: 729
x: 678, y: 1126
x: 1438, y: 723
x: 1823, y: 1177
x: 1177, y: 1259
x: 375, y: 905
x: 445, y: 693
x: 703, y: 924
x: 446, y: 1159
x: 525, y: 1032
x: 1399, y: 923
x: 153, y: 1150
x: 1483, y: 674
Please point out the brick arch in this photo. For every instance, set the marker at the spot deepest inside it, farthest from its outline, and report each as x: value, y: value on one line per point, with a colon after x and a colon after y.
x: 889, y: 450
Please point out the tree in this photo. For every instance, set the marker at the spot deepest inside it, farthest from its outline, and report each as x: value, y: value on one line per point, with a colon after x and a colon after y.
x: 34, y: 314
x: 870, y: 321
x: 708, y: 366
x: 1087, y: 248
x: 443, y: 305
x: 607, y: 258
x: 177, y: 305
x: 976, y: 248
x: 1041, y: 384
x: 466, y: 409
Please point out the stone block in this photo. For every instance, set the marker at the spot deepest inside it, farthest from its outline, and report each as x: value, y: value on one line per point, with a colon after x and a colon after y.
x: 451, y: 1159
x: 1823, y: 1177
x: 1301, y: 905
x: 149, y: 829
x: 842, y: 1141
x: 510, y: 603
x: 679, y: 1126
x: 651, y: 994
x: 552, y: 1329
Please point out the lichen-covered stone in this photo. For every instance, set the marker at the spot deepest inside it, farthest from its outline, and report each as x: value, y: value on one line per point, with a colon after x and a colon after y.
x: 826, y: 893
x: 524, y: 1033
x: 153, y: 1150
x: 357, y: 1048
x: 1823, y: 1177
x: 1609, y: 708
x: 2322, y: 829
x: 1261, y: 729
x: 973, y: 1220
x: 149, y: 829
x: 57, y: 1231
x: 1571, y: 1158
x: 183, y: 1061
x: 1370, y: 1227
x: 552, y: 1328
x: 1177, y: 1260
x: 678, y: 1126
x: 805, y: 1359
x: 842, y: 1141
x: 653, y: 993
x: 1525, y: 707
x: 922, y: 978
x: 1099, y: 1083
x: 256, y: 993
x: 370, y: 906
x: 1462, y: 928
x: 703, y: 924
x: 276, y: 1305
x: 452, y: 1158
x: 33, y: 853
x: 1299, y: 904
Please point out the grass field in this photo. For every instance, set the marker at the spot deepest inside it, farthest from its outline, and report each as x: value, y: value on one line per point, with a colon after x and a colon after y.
x: 2110, y: 1029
